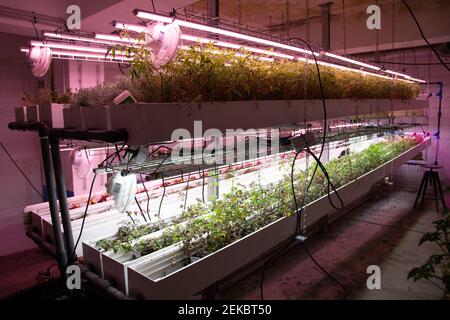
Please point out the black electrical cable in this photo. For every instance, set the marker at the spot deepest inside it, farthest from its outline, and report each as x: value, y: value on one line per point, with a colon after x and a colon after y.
x: 160, y: 164
x: 423, y: 35
x: 162, y: 197
x: 132, y: 220
x: 329, y: 183
x: 318, y: 164
x: 21, y: 171
x: 203, y: 184
x: 87, y: 206
x: 187, y: 189
x: 84, y: 217
x: 113, y: 155
x: 159, y: 147
x: 140, y: 209
x: 148, y: 196
x: 293, y: 188
x: 326, y: 272
x: 33, y: 22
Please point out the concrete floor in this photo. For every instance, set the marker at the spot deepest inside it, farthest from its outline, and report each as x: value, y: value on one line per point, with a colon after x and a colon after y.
x: 19, y: 271
x: 383, y: 232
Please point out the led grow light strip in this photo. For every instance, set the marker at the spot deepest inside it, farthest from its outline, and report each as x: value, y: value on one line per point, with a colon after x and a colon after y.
x: 140, y: 29
x: 416, y: 80
x: 235, y: 46
x: 73, y: 54
x: 113, y: 39
x: 155, y: 17
x: 362, y: 64
x: 56, y: 45
x: 327, y: 64
x: 76, y: 38
x: 404, y: 75
x: 130, y: 27
x: 227, y: 33
x: 237, y: 54
x: 117, y: 39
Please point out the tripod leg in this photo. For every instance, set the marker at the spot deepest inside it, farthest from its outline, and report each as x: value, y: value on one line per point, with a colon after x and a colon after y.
x: 440, y: 191
x: 424, y: 192
x: 420, y: 190
x: 435, y: 190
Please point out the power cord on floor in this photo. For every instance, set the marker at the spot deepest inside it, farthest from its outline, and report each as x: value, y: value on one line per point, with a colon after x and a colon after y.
x: 298, y: 210
x: 329, y: 275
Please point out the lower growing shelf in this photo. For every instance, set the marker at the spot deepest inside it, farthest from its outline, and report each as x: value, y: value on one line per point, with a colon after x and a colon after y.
x: 164, y: 275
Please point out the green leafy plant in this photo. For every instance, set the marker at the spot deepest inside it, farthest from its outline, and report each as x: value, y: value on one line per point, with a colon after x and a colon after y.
x: 243, y: 211
x: 207, y: 73
x: 437, y: 266
x: 46, y: 96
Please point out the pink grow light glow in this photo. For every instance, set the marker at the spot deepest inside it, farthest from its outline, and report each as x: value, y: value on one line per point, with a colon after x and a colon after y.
x: 362, y: 64
x: 130, y: 27
x: 56, y: 45
x: 351, y: 69
x: 117, y: 39
x: 74, y: 54
x: 76, y: 38
x: 156, y: 17
x: 137, y: 28
x: 227, y: 33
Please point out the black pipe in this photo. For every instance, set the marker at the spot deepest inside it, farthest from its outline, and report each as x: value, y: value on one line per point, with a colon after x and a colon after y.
x: 62, y: 197
x: 44, y: 132
x: 61, y: 256
x: 101, y: 285
x: 42, y: 243
x: 326, y: 24
x: 111, y: 136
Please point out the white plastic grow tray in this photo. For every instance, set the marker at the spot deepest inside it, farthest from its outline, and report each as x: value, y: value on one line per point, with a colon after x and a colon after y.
x: 184, y: 282
x: 38, y: 216
x: 155, y: 122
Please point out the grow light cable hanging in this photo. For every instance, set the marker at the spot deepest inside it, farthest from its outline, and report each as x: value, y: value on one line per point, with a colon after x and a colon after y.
x: 297, y: 237
x: 156, y: 17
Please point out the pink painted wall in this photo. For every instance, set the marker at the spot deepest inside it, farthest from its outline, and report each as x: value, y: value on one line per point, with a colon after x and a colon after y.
x: 15, y: 193
x: 432, y: 73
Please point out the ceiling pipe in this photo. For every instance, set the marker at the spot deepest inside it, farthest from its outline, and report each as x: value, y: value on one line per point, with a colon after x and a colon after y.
x: 212, y: 12
x: 326, y: 25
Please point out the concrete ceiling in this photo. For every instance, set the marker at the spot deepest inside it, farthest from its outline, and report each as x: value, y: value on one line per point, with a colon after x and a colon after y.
x: 282, y: 16
x: 15, y: 16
